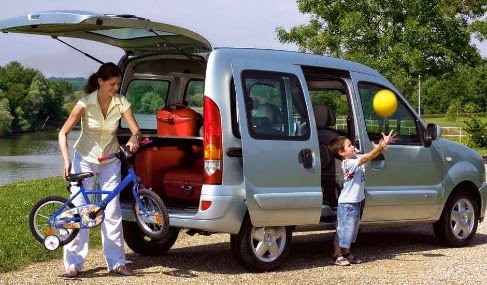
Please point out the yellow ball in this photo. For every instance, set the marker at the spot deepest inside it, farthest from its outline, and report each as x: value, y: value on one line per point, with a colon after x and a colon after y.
x: 385, y: 103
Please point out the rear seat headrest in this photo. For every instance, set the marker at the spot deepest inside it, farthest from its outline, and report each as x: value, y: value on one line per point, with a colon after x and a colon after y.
x: 323, y: 116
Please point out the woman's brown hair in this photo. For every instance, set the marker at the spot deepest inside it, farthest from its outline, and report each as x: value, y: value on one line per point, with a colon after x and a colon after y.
x: 106, y: 71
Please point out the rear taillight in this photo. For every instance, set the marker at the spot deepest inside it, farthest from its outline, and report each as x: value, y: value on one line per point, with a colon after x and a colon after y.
x: 212, y: 143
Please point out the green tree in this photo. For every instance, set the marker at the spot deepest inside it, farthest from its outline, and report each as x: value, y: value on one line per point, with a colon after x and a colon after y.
x: 62, y: 92
x: 402, y: 39
x: 32, y: 105
x: 150, y: 103
x: 15, y: 81
x: 453, y: 110
x: 6, y: 117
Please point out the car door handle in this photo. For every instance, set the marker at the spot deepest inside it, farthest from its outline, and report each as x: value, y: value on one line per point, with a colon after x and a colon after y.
x: 378, y: 162
x: 379, y: 157
x: 305, y: 158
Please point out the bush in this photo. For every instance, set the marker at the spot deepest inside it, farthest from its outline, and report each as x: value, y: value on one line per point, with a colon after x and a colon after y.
x: 478, y: 132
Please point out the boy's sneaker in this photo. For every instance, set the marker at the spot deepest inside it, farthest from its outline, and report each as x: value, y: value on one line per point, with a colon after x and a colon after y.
x: 71, y: 272
x: 352, y: 259
x: 340, y: 260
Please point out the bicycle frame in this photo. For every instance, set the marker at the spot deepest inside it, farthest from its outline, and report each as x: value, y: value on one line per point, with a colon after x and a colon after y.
x: 75, y: 218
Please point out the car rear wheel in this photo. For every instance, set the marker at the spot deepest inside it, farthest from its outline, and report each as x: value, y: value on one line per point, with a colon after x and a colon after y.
x: 143, y: 244
x: 458, y: 222
x: 260, y: 249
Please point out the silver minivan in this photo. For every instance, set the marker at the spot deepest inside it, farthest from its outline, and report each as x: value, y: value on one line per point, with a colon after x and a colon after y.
x: 240, y: 140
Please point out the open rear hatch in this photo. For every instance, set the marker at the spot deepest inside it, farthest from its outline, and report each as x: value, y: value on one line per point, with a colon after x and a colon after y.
x: 136, y: 36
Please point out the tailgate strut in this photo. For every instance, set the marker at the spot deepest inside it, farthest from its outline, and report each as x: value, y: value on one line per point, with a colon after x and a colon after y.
x: 88, y: 55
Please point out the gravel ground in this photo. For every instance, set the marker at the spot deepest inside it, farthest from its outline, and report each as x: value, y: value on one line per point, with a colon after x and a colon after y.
x: 408, y: 255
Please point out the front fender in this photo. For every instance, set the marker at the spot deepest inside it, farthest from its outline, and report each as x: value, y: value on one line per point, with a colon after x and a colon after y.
x: 469, y: 177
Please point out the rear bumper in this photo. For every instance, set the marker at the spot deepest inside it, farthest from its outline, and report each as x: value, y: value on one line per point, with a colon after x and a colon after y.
x: 225, y: 214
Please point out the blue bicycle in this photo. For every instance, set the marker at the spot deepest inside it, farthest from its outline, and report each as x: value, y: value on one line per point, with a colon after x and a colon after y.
x: 55, y: 221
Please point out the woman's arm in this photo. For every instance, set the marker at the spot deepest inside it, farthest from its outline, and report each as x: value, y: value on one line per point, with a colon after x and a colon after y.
x: 73, y: 119
x: 133, y: 142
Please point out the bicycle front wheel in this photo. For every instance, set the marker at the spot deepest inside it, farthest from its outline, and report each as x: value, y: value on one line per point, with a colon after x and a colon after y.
x: 39, y: 220
x: 155, y: 222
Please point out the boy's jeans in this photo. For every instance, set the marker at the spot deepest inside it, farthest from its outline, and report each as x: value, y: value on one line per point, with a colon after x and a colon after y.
x: 348, y: 219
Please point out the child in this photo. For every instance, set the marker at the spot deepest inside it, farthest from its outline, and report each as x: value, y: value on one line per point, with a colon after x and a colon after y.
x: 352, y: 195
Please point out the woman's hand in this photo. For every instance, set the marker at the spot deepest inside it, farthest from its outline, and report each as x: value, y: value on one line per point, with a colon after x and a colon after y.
x: 66, y: 168
x: 133, y: 143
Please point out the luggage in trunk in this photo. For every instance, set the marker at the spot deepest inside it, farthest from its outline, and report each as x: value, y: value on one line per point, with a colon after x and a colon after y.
x: 183, y: 186
x: 177, y: 120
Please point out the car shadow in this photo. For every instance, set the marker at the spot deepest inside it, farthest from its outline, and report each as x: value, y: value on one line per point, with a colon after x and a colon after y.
x: 309, y: 250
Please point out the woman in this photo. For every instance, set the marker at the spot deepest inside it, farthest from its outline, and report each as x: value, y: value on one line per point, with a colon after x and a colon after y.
x: 100, y: 111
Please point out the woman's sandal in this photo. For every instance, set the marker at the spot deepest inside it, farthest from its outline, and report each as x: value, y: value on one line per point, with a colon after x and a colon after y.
x: 340, y: 260
x: 122, y: 270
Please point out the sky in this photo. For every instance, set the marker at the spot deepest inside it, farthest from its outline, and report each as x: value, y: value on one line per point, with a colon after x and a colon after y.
x: 235, y: 23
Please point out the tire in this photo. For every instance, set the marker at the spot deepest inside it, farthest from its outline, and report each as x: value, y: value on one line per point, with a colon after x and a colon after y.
x: 458, y: 222
x: 145, y: 245
x: 39, y: 216
x: 260, y: 249
x: 156, y: 224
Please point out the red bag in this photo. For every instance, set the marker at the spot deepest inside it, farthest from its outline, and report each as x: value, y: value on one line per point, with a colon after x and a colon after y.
x: 177, y: 120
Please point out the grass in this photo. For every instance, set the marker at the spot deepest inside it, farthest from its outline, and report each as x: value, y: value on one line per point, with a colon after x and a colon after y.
x: 18, y: 247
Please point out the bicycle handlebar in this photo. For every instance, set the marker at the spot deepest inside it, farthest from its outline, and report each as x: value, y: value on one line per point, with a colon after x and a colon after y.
x: 143, y: 142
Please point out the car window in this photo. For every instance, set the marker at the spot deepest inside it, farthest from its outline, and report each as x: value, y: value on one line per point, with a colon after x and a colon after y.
x: 193, y: 96
x: 275, y: 105
x: 146, y: 97
x: 403, y: 122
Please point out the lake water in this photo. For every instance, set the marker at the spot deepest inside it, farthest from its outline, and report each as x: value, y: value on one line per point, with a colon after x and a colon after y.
x: 31, y: 156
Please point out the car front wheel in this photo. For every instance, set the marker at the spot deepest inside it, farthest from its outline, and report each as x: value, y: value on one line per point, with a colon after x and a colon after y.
x: 260, y: 249
x: 458, y: 222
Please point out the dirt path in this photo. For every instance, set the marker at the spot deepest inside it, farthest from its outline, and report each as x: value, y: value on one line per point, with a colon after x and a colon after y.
x: 397, y: 256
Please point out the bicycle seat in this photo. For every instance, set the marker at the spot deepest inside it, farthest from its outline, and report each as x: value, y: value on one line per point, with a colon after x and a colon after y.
x: 78, y: 176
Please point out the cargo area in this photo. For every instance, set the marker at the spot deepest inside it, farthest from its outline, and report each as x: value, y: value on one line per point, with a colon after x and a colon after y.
x: 173, y: 168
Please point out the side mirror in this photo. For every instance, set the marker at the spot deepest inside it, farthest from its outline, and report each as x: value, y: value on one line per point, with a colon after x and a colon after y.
x: 433, y: 132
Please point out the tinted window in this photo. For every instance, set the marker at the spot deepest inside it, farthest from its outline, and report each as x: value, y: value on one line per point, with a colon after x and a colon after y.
x: 275, y: 106
x: 193, y: 96
x: 402, y: 121
x: 146, y: 97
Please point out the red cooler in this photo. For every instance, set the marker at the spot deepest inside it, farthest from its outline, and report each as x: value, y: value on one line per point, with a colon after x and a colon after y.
x: 177, y: 120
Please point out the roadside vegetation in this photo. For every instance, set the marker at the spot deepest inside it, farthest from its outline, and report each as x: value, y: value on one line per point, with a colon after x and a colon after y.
x: 18, y: 247
x: 469, y: 130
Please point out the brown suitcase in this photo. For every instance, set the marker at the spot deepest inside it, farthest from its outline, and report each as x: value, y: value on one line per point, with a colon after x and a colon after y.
x: 182, y: 186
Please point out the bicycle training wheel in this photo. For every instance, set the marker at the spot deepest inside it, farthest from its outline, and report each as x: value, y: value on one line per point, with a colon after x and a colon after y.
x: 39, y: 220
x: 156, y: 223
